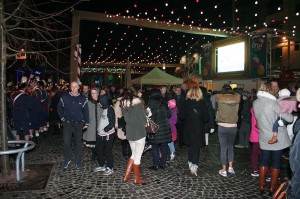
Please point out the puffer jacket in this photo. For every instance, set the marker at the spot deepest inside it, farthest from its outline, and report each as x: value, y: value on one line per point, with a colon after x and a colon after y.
x: 160, y: 115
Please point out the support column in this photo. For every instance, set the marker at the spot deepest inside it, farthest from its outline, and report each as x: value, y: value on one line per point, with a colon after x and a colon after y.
x: 74, y: 41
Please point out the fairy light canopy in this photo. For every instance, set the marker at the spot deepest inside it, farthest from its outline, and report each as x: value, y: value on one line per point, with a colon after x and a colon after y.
x: 115, y: 43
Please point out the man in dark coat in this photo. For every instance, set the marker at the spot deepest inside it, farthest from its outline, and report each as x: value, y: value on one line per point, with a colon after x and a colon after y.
x: 74, y: 113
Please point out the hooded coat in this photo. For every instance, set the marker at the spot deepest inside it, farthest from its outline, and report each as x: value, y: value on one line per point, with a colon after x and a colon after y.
x: 160, y: 115
x: 195, y: 116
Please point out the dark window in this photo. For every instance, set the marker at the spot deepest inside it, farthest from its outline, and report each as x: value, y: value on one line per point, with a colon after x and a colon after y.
x: 297, y: 44
x: 297, y: 7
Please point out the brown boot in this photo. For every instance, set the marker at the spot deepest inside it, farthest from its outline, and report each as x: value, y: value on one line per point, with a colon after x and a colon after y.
x: 273, y: 140
x: 263, y: 170
x: 128, y: 170
x: 137, y: 174
x: 274, y: 180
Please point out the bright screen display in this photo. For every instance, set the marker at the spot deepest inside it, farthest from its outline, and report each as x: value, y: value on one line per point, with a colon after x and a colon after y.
x: 231, y: 58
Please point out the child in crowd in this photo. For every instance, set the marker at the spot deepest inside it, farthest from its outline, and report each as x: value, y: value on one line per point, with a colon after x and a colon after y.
x: 105, y: 137
x: 288, y: 104
x: 172, y: 122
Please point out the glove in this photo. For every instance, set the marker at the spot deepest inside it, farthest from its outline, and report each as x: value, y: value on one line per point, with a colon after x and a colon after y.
x: 85, y: 128
x: 212, y: 130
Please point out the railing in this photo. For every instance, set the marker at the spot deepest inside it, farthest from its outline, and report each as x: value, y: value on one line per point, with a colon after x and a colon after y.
x: 28, y: 145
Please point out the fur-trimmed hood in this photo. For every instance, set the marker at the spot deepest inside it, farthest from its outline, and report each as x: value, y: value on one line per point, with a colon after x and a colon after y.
x: 135, y: 101
x: 228, y: 98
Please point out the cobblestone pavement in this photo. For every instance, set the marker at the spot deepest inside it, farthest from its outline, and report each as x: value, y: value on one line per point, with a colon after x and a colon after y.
x: 172, y: 182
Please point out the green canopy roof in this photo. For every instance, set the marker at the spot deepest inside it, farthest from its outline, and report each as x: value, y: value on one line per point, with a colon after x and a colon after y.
x: 157, y: 77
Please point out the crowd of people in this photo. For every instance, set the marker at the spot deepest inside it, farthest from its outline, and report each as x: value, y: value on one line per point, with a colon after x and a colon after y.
x: 96, y: 117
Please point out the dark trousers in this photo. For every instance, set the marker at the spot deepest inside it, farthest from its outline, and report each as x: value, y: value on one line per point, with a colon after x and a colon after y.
x: 193, y: 153
x: 104, y: 145
x: 255, y: 156
x: 69, y: 130
x: 179, y: 127
x: 155, y: 153
x: 274, y: 155
x: 244, y: 133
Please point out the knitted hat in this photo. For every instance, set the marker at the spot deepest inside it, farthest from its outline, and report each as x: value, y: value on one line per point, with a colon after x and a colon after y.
x: 172, y: 103
x: 95, y: 90
x: 284, y: 93
x: 247, y: 94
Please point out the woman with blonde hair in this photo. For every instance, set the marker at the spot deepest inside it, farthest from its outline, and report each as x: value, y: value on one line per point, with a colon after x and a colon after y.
x: 195, y: 116
x: 267, y: 110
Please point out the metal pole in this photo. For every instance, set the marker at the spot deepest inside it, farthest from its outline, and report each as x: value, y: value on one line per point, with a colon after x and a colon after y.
x: 3, y: 121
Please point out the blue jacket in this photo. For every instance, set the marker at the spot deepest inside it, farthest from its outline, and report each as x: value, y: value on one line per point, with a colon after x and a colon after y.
x: 73, y: 108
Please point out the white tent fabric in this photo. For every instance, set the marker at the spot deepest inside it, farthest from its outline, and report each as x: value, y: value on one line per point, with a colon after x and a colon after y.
x: 157, y: 77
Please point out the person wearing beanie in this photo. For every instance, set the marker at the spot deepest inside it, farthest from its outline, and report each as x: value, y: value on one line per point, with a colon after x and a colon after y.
x: 288, y: 105
x: 89, y: 136
x: 245, y: 127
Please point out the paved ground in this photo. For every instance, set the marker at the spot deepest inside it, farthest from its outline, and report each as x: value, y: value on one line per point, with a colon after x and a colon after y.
x: 172, y: 182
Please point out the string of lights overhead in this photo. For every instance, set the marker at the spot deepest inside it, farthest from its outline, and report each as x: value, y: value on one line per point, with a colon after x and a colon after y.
x: 115, y: 43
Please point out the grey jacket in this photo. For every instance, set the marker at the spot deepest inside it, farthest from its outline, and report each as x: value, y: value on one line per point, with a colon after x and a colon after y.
x: 135, y: 118
x: 267, y: 110
x: 89, y: 137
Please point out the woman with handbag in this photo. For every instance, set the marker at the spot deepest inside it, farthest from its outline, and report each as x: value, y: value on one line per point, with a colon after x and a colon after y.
x: 195, y: 117
x: 135, y: 118
x: 160, y: 115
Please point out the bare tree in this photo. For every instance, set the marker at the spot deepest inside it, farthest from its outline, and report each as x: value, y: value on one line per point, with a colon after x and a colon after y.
x: 38, y: 28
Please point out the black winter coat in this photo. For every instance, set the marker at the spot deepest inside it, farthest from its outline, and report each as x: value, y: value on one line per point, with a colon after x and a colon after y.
x: 160, y: 115
x: 195, y: 116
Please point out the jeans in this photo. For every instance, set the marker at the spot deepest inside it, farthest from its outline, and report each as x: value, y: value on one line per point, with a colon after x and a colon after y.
x: 155, y: 153
x: 226, y: 138
x: 68, y: 130
x: 274, y: 155
x: 172, y: 147
x: 255, y: 156
x: 104, y: 145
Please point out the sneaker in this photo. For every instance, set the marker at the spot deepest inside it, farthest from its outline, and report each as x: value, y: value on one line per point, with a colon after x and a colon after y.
x: 108, y: 171
x: 255, y: 174
x: 268, y: 179
x: 66, y: 164
x: 172, y: 156
x: 223, y: 173
x: 239, y: 146
x: 194, y: 169
x: 98, y: 169
x: 147, y: 148
x: 79, y: 166
x: 231, y: 170
x: 190, y: 164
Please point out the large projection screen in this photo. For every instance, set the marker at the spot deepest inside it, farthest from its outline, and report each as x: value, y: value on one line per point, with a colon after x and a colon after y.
x: 231, y: 58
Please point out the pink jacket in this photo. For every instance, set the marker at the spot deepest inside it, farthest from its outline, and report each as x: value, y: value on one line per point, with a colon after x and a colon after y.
x: 172, y: 122
x: 254, y: 135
